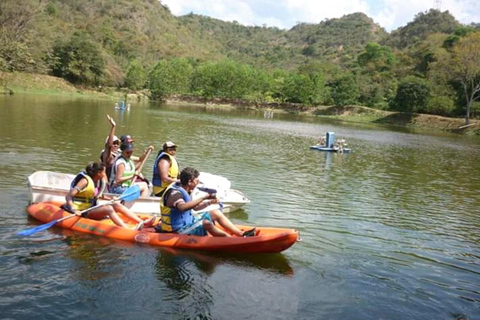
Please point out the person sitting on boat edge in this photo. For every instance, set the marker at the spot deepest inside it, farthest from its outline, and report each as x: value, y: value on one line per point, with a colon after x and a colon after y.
x: 87, y: 187
x: 111, y: 148
x: 176, y: 211
x: 124, y: 171
x: 165, y: 168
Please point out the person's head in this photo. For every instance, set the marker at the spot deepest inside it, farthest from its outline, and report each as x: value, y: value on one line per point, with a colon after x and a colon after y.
x: 170, y: 148
x: 115, y: 143
x: 189, y: 177
x: 127, y: 149
x: 95, y: 170
x: 126, y: 138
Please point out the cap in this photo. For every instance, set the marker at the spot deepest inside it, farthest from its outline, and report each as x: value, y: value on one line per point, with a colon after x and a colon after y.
x: 168, y: 144
x: 126, y: 138
x: 126, y: 146
x: 115, y: 138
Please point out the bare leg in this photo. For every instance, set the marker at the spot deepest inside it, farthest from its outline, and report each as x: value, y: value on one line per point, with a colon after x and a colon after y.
x: 99, y: 213
x: 214, y: 231
x: 218, y: 216
x: 144, y: 191
x: 125, y: 211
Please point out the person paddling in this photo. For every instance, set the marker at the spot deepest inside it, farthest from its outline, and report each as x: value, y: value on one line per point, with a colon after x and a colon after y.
x: 87, y: 187
x: 176, y: 208
x: 124, y: 170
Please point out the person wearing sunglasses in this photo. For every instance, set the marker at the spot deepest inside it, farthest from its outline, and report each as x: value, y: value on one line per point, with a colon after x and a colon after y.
x: 165, y: 168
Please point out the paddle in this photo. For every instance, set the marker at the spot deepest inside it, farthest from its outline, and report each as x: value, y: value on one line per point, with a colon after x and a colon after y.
x: 140, y: 167
x: 130, y: 194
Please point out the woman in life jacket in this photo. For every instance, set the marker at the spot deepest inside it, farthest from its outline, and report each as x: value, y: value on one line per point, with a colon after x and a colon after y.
x: 124, y: 171
x: 87, y: 187
x: 111, y: 149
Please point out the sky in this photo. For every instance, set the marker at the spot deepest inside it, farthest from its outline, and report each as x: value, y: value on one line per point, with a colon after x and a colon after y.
x: 284, y: 14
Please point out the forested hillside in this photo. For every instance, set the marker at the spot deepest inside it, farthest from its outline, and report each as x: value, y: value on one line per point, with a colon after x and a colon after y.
x: 430, y: 65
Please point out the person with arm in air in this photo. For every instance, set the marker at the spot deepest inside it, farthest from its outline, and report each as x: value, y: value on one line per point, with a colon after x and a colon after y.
x: 124, y: 171
x: 111, y: 149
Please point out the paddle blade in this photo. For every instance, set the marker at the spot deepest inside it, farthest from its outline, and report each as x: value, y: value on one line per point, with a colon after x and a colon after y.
x: 131, y: 194
x: 28, y: 232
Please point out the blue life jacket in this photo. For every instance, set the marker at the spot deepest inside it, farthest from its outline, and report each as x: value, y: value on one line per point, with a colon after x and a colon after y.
x: 172, y: 218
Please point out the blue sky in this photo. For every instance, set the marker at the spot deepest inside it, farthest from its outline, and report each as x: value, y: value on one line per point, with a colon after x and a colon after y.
x: 390, y: 14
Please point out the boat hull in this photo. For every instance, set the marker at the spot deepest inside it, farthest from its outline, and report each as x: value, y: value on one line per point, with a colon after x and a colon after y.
x: 267, y: 240
x: 47, y: 186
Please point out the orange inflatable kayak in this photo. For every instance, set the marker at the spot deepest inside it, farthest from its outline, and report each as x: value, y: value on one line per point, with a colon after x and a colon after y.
x: 267, y: 240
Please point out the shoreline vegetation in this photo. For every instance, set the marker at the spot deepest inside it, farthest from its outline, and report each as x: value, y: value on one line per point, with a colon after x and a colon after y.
x: 11, y: 83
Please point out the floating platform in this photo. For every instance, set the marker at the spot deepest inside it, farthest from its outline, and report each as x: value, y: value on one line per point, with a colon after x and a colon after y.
x: 327, y: 149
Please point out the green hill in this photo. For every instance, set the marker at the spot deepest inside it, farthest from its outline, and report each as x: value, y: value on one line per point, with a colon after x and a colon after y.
x: 423, y: 25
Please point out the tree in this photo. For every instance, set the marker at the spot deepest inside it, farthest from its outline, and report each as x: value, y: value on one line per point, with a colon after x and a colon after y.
x: 16, y: 22
x: 376, y: 58
x: 170, y: 77
x: 315, y: 72
x: 136, y: 76
x: 463, y: 67
x: 412, y: 95
x: 298, y: 88
x: 224, y: 79
x: 344, y: 90
x: 78, y: 60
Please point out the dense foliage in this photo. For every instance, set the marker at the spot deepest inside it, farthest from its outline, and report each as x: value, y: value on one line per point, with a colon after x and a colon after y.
x: 429, y: 65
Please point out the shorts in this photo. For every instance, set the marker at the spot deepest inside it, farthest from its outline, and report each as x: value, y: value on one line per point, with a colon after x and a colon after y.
x: 196, y: 227
x: 118, y: 189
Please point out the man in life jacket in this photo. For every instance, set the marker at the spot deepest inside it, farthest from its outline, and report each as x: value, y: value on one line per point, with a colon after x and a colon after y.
x: 165, y: 168
x: 176, y: 207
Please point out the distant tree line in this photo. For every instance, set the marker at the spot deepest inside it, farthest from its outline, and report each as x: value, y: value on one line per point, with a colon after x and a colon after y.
x: 432, y: 65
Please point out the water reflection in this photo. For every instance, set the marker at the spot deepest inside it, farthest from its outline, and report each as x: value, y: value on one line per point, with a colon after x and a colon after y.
x: 172, y: 260
x: 187, y: 275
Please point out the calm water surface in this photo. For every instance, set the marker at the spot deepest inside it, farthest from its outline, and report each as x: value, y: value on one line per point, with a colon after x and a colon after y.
x: 390, y: 231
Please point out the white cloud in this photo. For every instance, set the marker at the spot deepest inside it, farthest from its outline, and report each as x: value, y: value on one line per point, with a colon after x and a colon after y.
x: 389, y: 14
x: 316, y: 11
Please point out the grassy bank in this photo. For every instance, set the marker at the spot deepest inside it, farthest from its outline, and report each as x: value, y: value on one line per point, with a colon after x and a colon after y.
x: 11, y: 83
x: 43, y: 84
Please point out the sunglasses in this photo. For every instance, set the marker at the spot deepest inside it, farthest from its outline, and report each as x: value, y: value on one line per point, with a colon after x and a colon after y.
x: 117, y: 143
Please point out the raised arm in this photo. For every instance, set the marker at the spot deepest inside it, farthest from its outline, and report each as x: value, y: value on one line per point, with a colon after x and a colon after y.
x: 108, y: 144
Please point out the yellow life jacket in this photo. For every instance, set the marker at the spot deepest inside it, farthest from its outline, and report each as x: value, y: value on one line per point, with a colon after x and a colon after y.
x: 86, y: 197
x: 172, y: 173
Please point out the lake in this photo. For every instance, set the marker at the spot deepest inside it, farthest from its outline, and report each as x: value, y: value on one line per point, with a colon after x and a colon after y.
x: 389, y: 231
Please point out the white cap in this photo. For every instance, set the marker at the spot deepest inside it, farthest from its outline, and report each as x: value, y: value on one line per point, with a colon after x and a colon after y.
x: 115, y: 138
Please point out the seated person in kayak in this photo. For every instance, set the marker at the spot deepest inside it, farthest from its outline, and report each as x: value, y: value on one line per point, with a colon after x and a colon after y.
x: 86, y: 188
x: 124, y: 171
x: 165, y: 168
x: 176, y: 208
x: 111, y: 148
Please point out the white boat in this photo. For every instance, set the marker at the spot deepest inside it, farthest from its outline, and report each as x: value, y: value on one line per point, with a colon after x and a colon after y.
x: 54, y: 186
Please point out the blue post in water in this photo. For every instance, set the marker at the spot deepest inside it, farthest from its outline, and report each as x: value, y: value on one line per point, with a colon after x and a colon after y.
x: 330, y: 139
